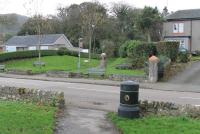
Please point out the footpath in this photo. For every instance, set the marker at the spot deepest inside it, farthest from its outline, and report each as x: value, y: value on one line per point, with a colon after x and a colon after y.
x: 164, y: 86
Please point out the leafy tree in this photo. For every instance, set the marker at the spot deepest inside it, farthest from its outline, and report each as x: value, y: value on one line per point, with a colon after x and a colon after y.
x: 149, y: 20
x: 31, y: 26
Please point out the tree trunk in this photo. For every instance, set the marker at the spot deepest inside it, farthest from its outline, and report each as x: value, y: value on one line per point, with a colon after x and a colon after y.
x: 148, y: 36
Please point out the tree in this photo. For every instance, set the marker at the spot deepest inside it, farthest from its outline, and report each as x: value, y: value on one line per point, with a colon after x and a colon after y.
x: 70, y: 18
x: 31, y: 26
x: 92, y: 16
x: 148, y: 21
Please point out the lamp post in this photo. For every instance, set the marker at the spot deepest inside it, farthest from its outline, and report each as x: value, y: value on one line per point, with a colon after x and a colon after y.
x: 80, y: 46
x: 90, y: 45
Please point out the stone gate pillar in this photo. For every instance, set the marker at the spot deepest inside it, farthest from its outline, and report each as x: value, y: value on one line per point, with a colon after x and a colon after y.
x: 153, y: 69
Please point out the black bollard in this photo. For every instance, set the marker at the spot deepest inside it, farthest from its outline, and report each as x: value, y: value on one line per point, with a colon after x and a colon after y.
x: 129, y: 105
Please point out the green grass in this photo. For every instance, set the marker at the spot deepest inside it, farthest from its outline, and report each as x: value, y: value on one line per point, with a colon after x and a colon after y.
x: 21, y: 118
x: 61, y: 63
x: 69, y: 63
x: 117, y: 61
x: 157, y: 125
x: 195, y: 58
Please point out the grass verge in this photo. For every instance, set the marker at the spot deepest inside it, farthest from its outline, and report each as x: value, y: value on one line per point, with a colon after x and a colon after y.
x: 22, y: 118
x: 157, y: 125
x: 69, y: 63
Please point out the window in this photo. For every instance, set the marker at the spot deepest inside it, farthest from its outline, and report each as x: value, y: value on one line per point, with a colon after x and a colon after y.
x: 178, y: 27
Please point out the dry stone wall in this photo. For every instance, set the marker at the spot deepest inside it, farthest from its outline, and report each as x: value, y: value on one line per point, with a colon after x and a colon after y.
x: 33, y: 96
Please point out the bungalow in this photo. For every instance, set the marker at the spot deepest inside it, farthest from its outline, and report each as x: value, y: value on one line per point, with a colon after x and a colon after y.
x: 183, y: 26
x: 34, y: 42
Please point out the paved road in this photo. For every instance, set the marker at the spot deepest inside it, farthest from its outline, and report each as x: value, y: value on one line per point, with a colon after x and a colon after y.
x: 99, y: 96
x: 191, y: 75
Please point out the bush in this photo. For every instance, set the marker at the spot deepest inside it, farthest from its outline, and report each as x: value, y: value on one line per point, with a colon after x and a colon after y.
x: 123, y: 50
x: 62, y: 51
x: 169, y: 49
x: 109, y: 48
x: 25, y: 54
x: 183, y: 57
x: 163, y: 63
x: 124, y: 67
x: 138, y: 52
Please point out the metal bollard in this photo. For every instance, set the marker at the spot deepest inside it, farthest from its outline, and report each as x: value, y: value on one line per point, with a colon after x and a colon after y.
x: 129, y: 105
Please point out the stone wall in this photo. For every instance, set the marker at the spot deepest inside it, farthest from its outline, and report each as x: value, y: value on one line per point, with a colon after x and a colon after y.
x: 63, y: 74
x: 117, y: 77
x: 19, y: 72
x: 33, y: 96
x: 168, y: 109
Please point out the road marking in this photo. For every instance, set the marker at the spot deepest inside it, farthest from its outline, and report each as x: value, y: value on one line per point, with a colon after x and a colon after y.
x: 192, y: 98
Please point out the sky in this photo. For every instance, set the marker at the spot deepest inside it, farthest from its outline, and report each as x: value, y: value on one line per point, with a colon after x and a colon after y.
x: 46, y: 7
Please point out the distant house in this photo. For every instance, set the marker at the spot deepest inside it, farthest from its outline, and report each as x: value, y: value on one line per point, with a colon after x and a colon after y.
x: 183, y: 26
x: 33, y: 42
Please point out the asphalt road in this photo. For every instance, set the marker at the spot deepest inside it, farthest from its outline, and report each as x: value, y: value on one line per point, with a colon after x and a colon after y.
x: 191, y: 75
x: 100, y: 96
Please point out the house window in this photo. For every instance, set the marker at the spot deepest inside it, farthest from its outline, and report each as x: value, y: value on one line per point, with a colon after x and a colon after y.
x: 178, y: 27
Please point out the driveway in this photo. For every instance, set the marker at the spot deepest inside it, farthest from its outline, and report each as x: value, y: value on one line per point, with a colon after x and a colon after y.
x: 189, y: 76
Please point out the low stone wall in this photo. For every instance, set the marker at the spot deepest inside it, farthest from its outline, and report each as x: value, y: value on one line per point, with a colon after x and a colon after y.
x: 63, y: 74
x: 117, y: 77
x: 33, y: 96
x: 19, y: 72
x: 168, y: 109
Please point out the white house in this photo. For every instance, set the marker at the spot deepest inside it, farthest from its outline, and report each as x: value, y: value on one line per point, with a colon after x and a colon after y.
x: 34, y: 42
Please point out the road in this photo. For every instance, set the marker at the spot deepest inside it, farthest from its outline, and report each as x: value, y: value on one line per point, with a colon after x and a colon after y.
x: 100, y: 96
x: 191, y: 75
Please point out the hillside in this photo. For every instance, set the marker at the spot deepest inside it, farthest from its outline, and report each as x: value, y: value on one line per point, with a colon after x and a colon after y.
x: 15, y: 21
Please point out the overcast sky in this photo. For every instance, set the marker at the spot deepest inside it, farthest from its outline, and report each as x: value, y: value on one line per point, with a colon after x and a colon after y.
x: 30, y: 7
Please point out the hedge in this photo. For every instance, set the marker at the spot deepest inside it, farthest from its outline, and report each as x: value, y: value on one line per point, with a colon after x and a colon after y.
x: 138, y: 52
x: 64, y: 51
x: 34, y: 53
x: 169, y: 49
x: 25, y: 54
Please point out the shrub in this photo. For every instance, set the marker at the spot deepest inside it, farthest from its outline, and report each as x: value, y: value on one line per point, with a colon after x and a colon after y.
x: 169, y: 49
x: 108, y: 47
x: 183, y: 57
x: 25, y: 54
x: 34, y: 53
x: 138, y: 52
x: 62, y: 51
x: 124, y: 67
x: 163, y: 63
x: 123, y: 50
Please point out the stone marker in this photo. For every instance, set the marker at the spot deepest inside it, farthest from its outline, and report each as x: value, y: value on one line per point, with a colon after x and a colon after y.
x: 153, y: 69
x: 103, y: 61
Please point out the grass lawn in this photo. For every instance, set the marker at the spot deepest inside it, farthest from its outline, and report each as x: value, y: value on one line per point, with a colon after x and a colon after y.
x: 157, y: 125
x: 21, y: 118
x: 195, y: 58
x: 69, y: 63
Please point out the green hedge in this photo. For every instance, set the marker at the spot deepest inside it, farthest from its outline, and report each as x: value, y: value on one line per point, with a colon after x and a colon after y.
x: 169, y: 49
x: 25, y: 54
x: 34, y: 53
x: 64, y: 51
x: 138, y: 52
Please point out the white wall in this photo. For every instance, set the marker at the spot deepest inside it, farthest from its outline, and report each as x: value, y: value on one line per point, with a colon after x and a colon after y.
x: 11, y: 48
x: 44, y: 47
x: 32, y: 48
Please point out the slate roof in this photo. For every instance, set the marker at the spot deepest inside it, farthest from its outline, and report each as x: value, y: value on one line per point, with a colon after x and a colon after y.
x: 184, y: 15
x: 32, y: 40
